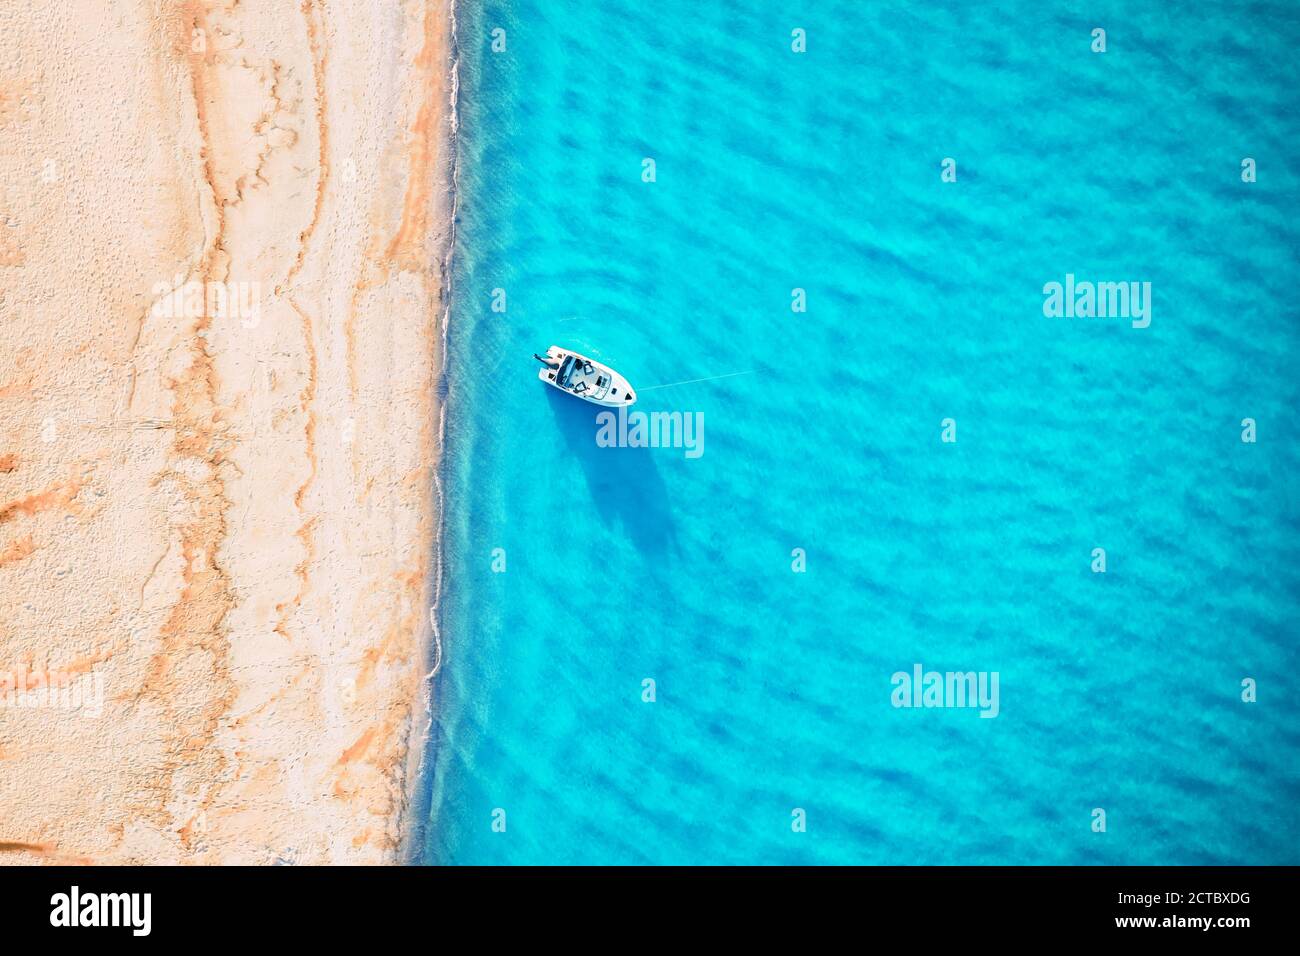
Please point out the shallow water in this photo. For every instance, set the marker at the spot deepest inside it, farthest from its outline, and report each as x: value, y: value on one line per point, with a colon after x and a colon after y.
x: 821, y: 171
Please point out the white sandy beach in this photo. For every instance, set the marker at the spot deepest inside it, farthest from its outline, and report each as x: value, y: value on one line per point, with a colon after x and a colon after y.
x: 219, y: 504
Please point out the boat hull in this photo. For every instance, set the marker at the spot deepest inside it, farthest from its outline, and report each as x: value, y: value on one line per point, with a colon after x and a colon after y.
x: 585, y: 378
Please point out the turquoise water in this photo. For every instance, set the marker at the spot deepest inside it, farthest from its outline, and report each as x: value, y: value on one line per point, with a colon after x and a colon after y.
x: 821, y: 171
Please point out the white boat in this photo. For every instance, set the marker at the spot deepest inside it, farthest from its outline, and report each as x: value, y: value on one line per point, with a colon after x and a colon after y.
x: 584, y: 377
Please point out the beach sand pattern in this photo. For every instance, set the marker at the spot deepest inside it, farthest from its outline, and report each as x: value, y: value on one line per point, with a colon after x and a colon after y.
x: 219, y: 500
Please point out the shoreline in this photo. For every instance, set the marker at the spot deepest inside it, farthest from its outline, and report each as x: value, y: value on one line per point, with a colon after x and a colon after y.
x: 420, y: 756
x: 230, y: 515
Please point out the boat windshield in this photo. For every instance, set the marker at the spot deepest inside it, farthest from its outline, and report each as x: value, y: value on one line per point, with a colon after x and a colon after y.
x: 562, y: 376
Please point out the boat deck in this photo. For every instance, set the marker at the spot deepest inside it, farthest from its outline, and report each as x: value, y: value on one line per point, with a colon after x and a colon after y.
x: 583, y: 378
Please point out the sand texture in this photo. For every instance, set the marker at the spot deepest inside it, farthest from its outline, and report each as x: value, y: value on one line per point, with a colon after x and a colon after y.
x: 218, y: 506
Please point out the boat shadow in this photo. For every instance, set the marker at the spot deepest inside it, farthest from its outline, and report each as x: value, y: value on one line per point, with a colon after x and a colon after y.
x: 625, y: 483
